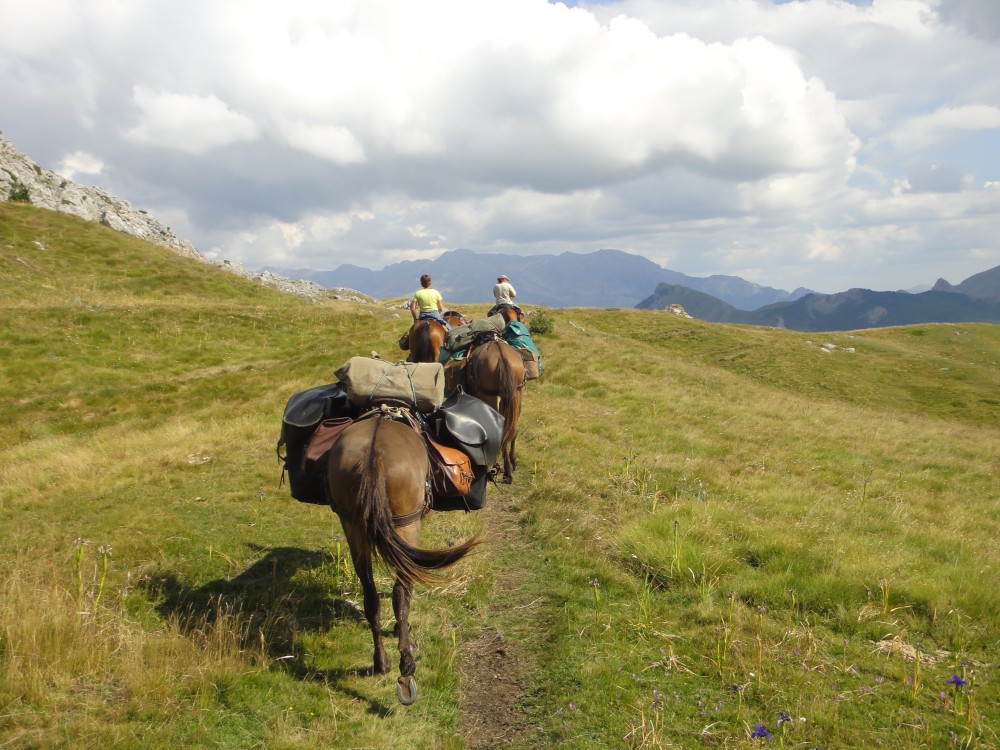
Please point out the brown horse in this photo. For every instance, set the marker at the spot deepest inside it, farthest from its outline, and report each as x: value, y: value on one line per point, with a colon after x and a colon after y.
x: 424, y: 340
x: 377, y: 479
x: 510, y: 313
x: 495, y: 374
x: 454, y: 318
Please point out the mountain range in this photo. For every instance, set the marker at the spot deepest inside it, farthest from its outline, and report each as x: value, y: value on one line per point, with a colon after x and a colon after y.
x: 844, y: 311
x: 612, y: 278
x: 605, y: 278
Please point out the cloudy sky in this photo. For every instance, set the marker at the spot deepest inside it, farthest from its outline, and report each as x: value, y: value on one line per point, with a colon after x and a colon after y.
x: 817, y: 143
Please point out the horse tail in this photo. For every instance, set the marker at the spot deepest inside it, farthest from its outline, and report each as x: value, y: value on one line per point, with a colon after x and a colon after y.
x: 422, y: 344
x: 412, y: 564
x: 419, y: 342
x: 509, y: 385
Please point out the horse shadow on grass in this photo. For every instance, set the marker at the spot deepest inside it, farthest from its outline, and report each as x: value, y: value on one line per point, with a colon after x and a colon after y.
x: 284, y: 593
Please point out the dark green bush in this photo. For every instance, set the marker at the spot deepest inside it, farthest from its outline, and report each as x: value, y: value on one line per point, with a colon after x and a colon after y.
x: 541, y: 322
x: 19, y: 193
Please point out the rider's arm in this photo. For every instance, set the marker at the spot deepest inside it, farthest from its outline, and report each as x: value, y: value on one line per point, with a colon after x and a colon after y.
x: 413, y: 308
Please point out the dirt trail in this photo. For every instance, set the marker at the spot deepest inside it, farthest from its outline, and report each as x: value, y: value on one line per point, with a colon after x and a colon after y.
x: 494, y: 667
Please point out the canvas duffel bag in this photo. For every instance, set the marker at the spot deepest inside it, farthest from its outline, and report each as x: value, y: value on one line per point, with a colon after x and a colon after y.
x: 419, y: 384
x: 462, y: 337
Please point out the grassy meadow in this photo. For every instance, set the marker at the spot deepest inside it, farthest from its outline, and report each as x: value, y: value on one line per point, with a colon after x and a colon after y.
x: 718, y: 536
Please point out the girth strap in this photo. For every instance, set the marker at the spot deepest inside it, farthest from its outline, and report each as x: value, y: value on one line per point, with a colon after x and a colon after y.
x: 407, y: 518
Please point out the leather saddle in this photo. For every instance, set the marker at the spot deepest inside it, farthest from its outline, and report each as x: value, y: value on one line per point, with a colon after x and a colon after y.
x: 476, y: 427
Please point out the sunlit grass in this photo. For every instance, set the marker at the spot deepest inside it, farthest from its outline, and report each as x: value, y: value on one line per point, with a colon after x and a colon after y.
x: 712, y: 528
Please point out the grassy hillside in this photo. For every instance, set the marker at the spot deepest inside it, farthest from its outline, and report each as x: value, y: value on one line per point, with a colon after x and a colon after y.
x: 712, y: 527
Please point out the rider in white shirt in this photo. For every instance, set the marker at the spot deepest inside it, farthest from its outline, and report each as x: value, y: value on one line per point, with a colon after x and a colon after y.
x: 503, y: 293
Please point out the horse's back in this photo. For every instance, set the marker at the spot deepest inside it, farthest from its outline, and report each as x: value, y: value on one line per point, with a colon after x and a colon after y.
x: 494, y: 360
x: 426, y: 338
x: 373, y: 448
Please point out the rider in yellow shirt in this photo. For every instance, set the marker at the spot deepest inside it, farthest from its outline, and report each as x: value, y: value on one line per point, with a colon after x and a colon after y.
x: 428, y: 303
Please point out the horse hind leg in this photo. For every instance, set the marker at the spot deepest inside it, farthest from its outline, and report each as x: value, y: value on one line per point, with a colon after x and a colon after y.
x: 406, y: 686
x: 361, y: 555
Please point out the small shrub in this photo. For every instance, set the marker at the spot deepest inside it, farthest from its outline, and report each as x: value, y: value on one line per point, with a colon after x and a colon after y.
x: 19, y: 193
x: 541, y: 322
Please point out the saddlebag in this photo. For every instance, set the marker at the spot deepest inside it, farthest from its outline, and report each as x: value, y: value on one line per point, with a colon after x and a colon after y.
x: 531, y: 363
x: 451, y: 470
x: 462, y: 337
x: 317, y: 454
x: 303, y: 413
x: 471, y: 425
x: 454, y: 373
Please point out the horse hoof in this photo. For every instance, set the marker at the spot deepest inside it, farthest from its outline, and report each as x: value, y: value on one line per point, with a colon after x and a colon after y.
x: 508, y: 480
x: 406, y: 690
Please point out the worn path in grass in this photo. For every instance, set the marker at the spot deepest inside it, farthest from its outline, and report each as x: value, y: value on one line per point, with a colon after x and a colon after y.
x: 495, y: 664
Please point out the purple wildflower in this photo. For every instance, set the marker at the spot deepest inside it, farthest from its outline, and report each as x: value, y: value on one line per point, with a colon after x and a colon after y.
x: 957, y: 681
x: 783, y: 718
x: 760, y: 732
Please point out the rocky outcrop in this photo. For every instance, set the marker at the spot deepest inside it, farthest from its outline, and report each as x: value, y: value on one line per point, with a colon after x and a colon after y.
x: 46, y: 189
x: 677, y: 310
x: 22, y: 179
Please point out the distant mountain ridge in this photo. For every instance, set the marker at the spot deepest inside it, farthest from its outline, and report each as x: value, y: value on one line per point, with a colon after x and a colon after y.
x: 605, y: 278
x: 845, y: 311
x: 985, y: 285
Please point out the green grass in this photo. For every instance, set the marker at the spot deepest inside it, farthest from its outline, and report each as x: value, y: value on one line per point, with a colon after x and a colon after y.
x: 714, y: 524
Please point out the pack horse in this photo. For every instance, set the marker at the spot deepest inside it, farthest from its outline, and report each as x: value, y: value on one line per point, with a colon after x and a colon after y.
x: 377, y: 476
x: 495, y: 374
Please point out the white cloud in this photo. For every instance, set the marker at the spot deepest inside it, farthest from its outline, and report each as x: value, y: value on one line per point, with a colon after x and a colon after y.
x: 923, y: 131
x: 333, y: 142
x: 79, y: 163
x: 799, y: 140
x: 186, y: 122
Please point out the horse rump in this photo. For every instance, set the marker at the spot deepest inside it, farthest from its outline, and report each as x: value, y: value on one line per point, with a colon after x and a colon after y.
x: 377, y: 475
